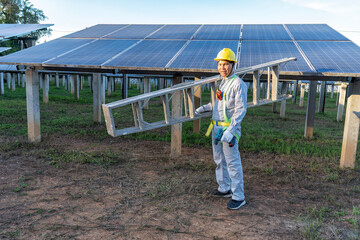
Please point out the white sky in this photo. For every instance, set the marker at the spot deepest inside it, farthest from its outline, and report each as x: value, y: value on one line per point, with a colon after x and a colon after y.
x: 73, y: 15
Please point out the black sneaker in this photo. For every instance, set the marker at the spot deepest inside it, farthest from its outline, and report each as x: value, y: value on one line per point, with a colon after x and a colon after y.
x: 233, y: 204
x: 217, y: 193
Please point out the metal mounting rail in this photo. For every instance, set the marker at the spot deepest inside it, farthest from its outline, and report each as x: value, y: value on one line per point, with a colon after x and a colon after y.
x: 188, y: 89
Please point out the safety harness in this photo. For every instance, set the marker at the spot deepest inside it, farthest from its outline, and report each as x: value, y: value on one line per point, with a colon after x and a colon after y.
x: 221, y: 96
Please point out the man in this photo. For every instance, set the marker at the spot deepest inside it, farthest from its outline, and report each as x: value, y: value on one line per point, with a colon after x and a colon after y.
x: 228, y: 112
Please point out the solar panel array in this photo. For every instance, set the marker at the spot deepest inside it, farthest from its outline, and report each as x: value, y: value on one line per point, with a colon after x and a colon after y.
x: 193, y: 47
x: 17, y: 30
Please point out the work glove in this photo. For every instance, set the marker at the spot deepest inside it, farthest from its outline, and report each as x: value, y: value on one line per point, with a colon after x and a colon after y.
x: 203, y: 108
x: 227, y: 137
x: 199, y: 110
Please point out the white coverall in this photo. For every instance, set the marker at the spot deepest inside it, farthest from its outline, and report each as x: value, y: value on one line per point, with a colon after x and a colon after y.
x: 229, y: 173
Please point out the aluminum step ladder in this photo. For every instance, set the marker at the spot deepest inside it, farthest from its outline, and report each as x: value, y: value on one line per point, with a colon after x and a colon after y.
x: 188, y: 89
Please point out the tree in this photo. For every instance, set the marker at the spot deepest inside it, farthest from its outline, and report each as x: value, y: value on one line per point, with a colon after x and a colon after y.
x: 21, y: 11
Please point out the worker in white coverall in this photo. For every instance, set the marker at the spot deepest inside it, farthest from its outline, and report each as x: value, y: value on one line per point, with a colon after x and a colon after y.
x: 228, y: 112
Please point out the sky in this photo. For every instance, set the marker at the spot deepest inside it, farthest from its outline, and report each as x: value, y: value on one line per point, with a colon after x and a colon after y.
x: 73, y: 15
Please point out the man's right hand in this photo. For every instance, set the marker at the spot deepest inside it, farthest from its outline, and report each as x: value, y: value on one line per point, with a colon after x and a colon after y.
x: 199, y: 110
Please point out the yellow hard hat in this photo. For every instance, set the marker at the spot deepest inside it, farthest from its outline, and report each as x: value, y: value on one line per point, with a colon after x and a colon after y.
x: 226, y: 54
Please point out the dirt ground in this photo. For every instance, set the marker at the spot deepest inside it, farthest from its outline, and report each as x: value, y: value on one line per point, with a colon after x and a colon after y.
x: 146, y: 195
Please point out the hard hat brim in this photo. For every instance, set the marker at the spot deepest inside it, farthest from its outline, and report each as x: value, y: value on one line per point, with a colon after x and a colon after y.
x: 218, y: 59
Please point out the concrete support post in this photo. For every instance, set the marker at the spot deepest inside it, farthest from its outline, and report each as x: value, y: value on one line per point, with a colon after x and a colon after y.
x: 57, y: 80
x: 295, y: 92
x: 197, y: 102
x: 147, y: 89
x: 321, y: 106
x: 124, y: 88
x: 332, y: 91
x: 76, y: 87
x: 2, y: 90
x: 176, y: 129
x: 268, y: 93
x: 284, y: 90
x: 310, y: 112
x: 72, y: 84
x: 302, y: 95
x: 341, y: 106
x: 275, y: 81
x: 141, y: 85
x: 23, y: 77
x: 97, y: 88
x: 13, y: 82
x: 351, y: 129
x: 8, y: 80
x: 63, y: 80
x: 109, y: 86
x: 161, y: 83
x: 46, y: 88
x: 103, y: 89
x: 41, y: 80
x: 33, y: 105
x: 81, y: 81
x: 19, y: 79
x: 256, y: 87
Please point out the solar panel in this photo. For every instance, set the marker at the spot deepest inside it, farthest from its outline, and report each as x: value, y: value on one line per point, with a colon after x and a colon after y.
x: 201, y: 54
x: 45, y: 51
x: 135, y: 32
x: 175, y: 32
x: 264, y: 32
x: 3, y: 49
x: 257, y: 52
x: 314, y: 32
x: 149, y: 53
x: 343, y: 57
x: 95, y: 53
x: 96, y: 31
x: 219, y: 32
x: 12, y: 30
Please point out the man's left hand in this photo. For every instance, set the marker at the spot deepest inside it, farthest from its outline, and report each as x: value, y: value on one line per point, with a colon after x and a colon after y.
x: 227, y: 136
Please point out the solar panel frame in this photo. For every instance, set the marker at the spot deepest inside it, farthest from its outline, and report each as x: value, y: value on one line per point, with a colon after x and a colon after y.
x: 257, y: 52
x: 264, y: 32
x: 336, y: 57
x: 148, y: 54
x: 38, y: 54
x: 97, y: 31
x: 321, y: 32
x: 200, y: 54
x: 135, y: 31
x: 178, y: 31
x: 219, y: 32
x: 101, y: 51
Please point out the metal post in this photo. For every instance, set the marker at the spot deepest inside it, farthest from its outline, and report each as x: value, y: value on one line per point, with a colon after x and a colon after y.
x: 321, y: 106
x: 2, y: 90
x: 197, y: 101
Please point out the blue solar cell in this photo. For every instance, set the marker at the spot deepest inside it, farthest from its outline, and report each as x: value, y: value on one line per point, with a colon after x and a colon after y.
x: 135, y: 32
x: 219, y: 32
x: 264, y: 32
x: 96, y: 31
x: 45, y: 51
x: 314, y: 32
x: 175, y: 32
x: 257, y: 52
x: 149, y: 53
x: 201, y: 54
x: 343, y: 57
x: 95, y: 53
